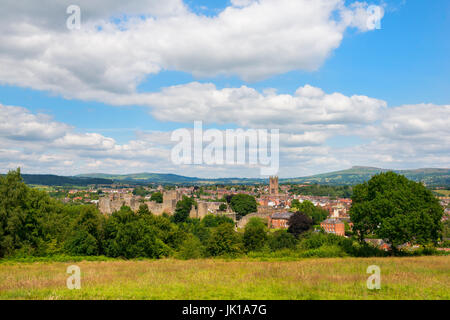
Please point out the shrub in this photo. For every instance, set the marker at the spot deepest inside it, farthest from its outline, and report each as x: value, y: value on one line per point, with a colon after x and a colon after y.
x: 191, y: 248
x: 327, y: 251
x: 213, y: 221
x: 281, y: 239
x: 224, y: 241
x: 255, y: 234
x: 82, y: 243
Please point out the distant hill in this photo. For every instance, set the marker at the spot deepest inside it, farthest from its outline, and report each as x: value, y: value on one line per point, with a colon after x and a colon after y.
x: 352, y: 176
x: 53, y: 180
x: 358, y: 174
x: 162, y: 178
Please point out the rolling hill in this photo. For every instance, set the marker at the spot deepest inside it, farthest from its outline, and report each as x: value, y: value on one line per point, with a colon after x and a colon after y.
x: 352, y: 176
x: 53, y: 180
x: 358, y: 174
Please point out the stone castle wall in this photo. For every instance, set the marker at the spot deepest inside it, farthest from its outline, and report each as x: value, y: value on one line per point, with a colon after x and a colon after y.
x: 244, y: 220
x: 109, y: 204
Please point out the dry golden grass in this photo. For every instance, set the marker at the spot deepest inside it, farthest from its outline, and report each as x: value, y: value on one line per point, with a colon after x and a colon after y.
x: 336, y: 278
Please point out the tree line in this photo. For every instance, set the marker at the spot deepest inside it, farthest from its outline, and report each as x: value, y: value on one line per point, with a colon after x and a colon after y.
x: 34, y: 224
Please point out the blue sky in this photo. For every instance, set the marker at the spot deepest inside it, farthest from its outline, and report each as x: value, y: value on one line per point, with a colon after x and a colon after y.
x: 406, y: 62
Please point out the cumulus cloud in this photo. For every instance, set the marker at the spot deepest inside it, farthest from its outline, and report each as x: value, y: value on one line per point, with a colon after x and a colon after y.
x: 18, y: 123
x: 308, y: 109
x: 250, y: 39
x: 50, y: 14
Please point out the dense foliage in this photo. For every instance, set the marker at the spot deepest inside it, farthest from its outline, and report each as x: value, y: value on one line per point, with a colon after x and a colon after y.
x: 317, y: 214
x: 243, y: 204
x: 396, y: 209
x: 299, y: 223
x: 140, y: 191
x: 34, y: 225
x: 157, y: 197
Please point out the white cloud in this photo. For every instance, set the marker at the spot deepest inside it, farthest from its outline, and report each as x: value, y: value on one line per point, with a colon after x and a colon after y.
x: 19, y: 124
x: 309, y: 109
x: 85, y: 141
x: 242, y: 3
x: 252, y: 40
x: 407, y: 136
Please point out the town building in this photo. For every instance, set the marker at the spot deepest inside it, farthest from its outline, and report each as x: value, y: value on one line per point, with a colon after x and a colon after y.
x: 334, y: 226
x: 280, y: 220
x: 273, y: 186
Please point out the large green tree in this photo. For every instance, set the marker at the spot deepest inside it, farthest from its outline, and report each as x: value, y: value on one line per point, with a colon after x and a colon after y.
x: 183, y: 209
x: 86, y: 233
x: 130, y: 236
x: 398, y: 210
x: 255, y: 234
x: 224, y: 241
x: 243, y: 204
x: 29, y: 218
x: 157, y: 196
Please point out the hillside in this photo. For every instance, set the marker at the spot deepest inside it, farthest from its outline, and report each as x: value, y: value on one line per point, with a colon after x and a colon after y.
x: 53, y: 180
x: 169, y: 179
x: 352, y: 176
x: 357, y: 174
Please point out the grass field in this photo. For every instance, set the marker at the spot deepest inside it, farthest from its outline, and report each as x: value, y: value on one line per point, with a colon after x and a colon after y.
x: 336, y: 278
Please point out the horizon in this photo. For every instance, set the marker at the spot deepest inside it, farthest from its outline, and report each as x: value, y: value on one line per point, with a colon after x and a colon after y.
x: 229, y: 178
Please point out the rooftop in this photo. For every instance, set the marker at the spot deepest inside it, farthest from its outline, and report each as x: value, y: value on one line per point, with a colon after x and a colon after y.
x: 332, y: 221
x: 282, y: 215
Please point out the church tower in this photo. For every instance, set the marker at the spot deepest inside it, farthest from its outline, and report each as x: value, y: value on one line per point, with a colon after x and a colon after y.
x: 273, y: 186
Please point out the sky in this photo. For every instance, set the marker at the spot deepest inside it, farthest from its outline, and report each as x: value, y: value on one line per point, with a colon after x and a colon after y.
x: 107, y: 97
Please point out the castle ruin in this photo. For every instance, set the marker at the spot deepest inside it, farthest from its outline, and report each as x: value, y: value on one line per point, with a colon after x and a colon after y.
x: 111, y: 203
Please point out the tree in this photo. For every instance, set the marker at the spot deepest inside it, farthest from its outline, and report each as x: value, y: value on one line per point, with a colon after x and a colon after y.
x: 393, y: 208
x: 281, y: 239
x: 86, y: 236
x: 191, y: 248
x: 29, y: 218
x: 224, y: 241
x: 183, y: 209
x: 130, y: 236
x: 446, y: 229
x: 82, y: 243
x: 243, y: 204
x: 299, y: 223
x: 157, y: 196
x: 295, y: 203
x: 143, y: 210
x: 223, y: 207
x: 228, y: 198
x: 307, y: 207
x: 212, y: 221
x: 255, y: 234
x: 140, y: 191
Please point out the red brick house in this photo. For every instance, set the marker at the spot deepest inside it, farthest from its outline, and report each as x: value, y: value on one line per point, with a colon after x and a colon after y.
x: 334, y: 226
x: 280, y: 220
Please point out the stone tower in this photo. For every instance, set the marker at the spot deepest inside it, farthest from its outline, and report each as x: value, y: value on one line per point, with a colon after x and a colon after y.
x: 273, y: 186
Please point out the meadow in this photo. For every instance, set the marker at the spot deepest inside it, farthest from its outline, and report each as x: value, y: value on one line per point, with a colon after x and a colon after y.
x: 425, y: 277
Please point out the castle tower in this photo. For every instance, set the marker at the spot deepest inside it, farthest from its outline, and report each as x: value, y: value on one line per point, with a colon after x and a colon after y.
x: 273, y: 186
